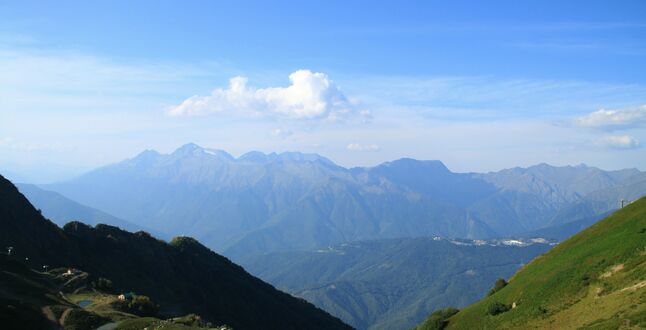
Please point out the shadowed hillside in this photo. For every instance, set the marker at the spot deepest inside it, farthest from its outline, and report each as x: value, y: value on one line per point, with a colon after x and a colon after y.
x: 182, y: 276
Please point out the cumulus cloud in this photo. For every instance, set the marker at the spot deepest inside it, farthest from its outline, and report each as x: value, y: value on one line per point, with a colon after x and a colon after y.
x: 614, y: 119
x: 311, y: 95
x: 363, y: 147
x: 618, y: 142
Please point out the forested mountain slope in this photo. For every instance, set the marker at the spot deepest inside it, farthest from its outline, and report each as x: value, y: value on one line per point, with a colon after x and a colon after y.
x: 391, y: 284
x: 182, y: 276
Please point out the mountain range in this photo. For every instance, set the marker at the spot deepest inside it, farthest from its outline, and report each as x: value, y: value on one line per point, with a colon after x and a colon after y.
x: 260, y: 203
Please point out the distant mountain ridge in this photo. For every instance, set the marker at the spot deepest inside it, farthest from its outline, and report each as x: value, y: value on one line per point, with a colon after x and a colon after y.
x: 62, y: 210
x: 278, y: 202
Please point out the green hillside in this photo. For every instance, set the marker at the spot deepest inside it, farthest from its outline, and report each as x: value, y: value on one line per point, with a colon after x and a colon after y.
x: 594, y: 280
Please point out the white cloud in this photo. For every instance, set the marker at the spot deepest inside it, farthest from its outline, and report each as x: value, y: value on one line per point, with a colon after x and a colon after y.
x: 614, y: 119
x: 311, y: 95
x: 281, y: 132
x: 366, y: 115
x: 363, y: 147
x: 618, y: 142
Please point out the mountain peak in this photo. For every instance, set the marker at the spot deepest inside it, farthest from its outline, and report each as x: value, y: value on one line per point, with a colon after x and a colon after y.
x: 218, y: 153
x: 196, y: 150
x: 187, y: 148
x: 254, y: 156
x: 147, y: 154
x: 293, y: 156
x: 410, y: 163
x: 301, y: 157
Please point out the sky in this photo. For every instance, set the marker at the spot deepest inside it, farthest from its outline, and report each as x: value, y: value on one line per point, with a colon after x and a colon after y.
x: 481, y: 86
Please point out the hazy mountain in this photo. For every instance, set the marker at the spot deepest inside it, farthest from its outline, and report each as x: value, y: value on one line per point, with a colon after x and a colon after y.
x: 594, y: 280
x: 566, y: 230
x: 14, y: 176
x: 62, y: 210
x: 182, y: 276
x: 603, y: 200
x: 392, y: 284
x: 278, y: 202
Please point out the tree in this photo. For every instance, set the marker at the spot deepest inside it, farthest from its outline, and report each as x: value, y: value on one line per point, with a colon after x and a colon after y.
x: 138, y: 305
x: 497, y: 307
x: 500, y: 283
x: 438, y: 319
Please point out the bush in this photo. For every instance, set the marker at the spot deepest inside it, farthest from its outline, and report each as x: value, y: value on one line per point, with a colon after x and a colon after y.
x: 497, y: 307
x: 438, y: 319
x: 500, y: 283
x: 138, y: 305
x: 143, y: 306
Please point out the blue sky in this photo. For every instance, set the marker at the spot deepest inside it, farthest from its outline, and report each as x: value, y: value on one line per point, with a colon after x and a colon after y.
x: 479, y: 85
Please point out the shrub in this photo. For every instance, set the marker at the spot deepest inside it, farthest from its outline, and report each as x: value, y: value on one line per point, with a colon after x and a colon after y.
x: 500, y: 283
x: 438, y: 319
x: 138, y: 305
x: 143, y: 306
x: 497, y: 307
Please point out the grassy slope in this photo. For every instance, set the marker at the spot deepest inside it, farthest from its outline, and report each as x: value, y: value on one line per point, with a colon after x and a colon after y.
x: 595, y: 279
